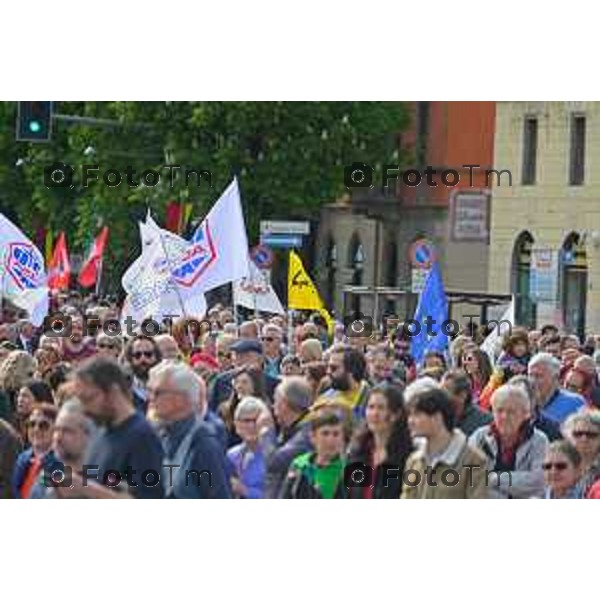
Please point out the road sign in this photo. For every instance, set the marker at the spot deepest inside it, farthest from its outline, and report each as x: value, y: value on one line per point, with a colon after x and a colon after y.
x: 262, y: 256
x: 419, y: 276
x: 285, y: 227
x: 543, y: 276
x: 282, y: 241
x: 421, y: 254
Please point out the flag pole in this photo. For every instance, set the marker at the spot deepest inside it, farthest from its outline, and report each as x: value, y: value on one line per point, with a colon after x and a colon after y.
x: 98, y: 279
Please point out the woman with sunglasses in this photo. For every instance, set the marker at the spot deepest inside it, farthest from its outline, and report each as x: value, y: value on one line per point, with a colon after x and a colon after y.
x: 31, y: 462
x: 31, y: 394
x: 562, y: 471
x: 582, y: 429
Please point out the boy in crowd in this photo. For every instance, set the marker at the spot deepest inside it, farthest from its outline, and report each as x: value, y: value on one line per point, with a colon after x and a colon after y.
x: 319, y: 474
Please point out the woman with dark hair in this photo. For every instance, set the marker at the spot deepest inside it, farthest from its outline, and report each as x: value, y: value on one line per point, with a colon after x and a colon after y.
x: 32, y: 393
x: 477, y: 366
x: 247, y: 381
x: 382, y: 444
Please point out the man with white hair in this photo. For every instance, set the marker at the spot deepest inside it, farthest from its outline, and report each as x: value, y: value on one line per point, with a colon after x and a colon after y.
x: 553, y: 402
x: 194, y: 463
x: 514, y: 448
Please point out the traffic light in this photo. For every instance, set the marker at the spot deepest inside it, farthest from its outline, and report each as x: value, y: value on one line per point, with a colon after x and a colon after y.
x: 34, y: 121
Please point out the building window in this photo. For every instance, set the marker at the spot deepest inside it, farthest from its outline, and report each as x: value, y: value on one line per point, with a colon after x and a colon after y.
x: 577, y: 157
x: 530, y: 136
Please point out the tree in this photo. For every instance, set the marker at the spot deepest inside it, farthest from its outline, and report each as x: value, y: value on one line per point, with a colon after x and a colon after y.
x: 288, y: 156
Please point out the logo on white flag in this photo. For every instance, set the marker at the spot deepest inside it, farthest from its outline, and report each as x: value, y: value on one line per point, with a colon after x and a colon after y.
x: 23, y: 265
x: 199, y: 256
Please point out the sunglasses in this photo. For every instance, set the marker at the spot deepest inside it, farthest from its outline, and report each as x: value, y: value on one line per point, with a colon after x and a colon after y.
x: 268, y: 339
x: 558, y: 466
x: 41, y: 425
x: 590, y: 435
x: 146, y: 354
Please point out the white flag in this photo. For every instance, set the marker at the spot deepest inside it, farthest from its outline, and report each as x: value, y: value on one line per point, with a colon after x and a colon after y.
x: 153, y: 290
x: 492, y: 343
x: 23, y: 274
x: 220, y: 244
x: 255, y: 292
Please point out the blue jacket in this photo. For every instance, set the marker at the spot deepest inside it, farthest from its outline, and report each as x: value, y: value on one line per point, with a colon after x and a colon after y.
x: 561, y: 405
x: 202, y: 472
x: 22, y: 464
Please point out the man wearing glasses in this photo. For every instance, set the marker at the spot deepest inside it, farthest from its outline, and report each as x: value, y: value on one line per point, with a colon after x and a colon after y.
x: 271, y: 341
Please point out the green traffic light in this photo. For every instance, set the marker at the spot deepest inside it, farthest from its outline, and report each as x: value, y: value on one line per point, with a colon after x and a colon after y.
x: 35, y: 126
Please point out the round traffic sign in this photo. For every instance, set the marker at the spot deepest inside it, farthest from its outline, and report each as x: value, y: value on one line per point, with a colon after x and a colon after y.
x: 262, y: 256
x: 421, y: 254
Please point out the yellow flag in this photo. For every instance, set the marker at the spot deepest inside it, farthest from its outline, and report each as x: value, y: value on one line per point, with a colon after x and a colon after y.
x: 302, y: 293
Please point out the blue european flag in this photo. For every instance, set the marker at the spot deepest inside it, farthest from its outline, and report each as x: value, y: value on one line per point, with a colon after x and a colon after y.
x: 433, y: 303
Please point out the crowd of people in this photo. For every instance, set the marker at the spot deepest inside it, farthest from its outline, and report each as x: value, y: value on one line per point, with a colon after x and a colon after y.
x: 264, y: 408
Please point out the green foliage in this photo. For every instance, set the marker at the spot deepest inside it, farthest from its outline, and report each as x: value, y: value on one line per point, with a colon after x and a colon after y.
x: 288, y: 156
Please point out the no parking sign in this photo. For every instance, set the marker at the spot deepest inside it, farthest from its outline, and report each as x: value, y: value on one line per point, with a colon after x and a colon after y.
x: 262, y: 256
x: 421, y: 254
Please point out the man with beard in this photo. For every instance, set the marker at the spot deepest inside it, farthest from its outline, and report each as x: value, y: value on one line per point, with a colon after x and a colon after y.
x: 347, y: 370
x: 77, y: 347
x: 125, y: 458
x: 142, y: 353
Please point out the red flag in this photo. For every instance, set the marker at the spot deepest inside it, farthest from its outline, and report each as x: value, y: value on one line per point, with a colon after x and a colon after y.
x: 173, y: 216
x: 59, y: 268
x: 91, y: 267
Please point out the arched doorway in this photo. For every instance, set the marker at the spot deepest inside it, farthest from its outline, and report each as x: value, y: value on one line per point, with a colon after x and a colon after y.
x: 525, y: 308
x: 330, y: 267
x: 574, y: 283
x: 356, y: 262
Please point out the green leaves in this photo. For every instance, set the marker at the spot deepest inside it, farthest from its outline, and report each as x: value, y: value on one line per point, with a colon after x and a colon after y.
x: 288, y: 156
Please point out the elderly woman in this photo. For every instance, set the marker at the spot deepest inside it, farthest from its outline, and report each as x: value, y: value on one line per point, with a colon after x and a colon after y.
x: 254, y: 425
x: 15, y: 371
x: 513, y: 446
x: 582, y: 429
x: 32, y: 393
x: 562, y: 471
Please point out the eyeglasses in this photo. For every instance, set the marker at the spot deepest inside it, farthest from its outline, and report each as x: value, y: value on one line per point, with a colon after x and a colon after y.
x: 247, y: 421
x: 268, y: 339
x: 156, y: 393
x: 41, y: 425
x: 105, y: 345
x: 145, y: 354
x: 558, y: 466
x: 590, y: 435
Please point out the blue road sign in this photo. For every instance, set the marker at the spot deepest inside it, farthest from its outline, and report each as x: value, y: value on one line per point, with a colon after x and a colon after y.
x: 262, y: 256
x: 282, y: 241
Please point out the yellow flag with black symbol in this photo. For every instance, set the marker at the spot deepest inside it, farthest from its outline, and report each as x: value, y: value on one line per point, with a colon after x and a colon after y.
x: 302, y: 293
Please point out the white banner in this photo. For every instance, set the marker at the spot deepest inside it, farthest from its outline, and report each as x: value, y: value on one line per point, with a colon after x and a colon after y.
x: 256, y: 293
x: 22, y: 272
